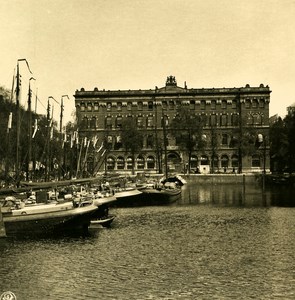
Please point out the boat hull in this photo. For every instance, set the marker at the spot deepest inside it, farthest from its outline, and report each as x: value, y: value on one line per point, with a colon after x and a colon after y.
x: 75, y: 219
x: 150, y: 197
x: 102, y: 222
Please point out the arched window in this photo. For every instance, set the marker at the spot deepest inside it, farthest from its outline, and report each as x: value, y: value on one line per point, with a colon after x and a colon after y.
x: 250, y: 120
x: 254, y: 103
x: 204, y: 160
x: 140, y: 162
x: 194, y: 161
x: 139, y: 105
x: 129, y: 105
x: 150, y: 105
x: 255, y: 161
x: 235, y: 161
x: 224, y: 161
x: 120, y: 163
x: 93, y: 122
x: 110, y: 163
x: 129, y: 163
x: 223, y: 104
x: 89, y: 106
x: 85, y: 123
x: 213, y: 104
x: 257, y: 119
x: 203, y: 104
x: 119, y: 122
x: 119, y: 106
x: 171, y: 104
x: 150, y: 162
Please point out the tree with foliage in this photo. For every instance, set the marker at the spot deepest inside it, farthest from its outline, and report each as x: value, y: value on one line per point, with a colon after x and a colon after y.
x: 279, y: 145
x: 289, y: 121
x: 132, y: 138
x: 245, y: 140
x: 41, y: 138
x: 187, y: 129
x: 213, y: 145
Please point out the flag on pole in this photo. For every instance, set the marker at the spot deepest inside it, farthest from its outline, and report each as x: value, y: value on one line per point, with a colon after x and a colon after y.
x: 94, y: 140
x: 100, y: 147
x: 9, y: 122
x: 35, y: 128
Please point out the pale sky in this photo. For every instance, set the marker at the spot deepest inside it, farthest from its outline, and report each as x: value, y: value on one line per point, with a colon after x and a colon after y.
x: 132, y: 44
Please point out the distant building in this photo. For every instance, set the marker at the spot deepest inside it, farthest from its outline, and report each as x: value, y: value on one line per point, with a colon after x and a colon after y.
x: 228, y: 110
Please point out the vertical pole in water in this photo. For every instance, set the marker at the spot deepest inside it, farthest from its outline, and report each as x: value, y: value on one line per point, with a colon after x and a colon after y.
x: 244, y: 188
x: 2, y: 226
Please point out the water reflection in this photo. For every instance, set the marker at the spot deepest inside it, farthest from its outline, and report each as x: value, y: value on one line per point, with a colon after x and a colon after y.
x: 237, y: 194
x: 219, y: 242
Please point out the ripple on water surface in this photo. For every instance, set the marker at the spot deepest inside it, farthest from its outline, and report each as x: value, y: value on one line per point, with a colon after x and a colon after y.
x: 176, y: 252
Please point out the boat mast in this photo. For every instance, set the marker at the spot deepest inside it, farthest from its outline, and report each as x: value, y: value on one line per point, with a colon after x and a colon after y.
x: 29, y: 168
x: 164, y: 117
x: 18, y: 83
x: 17, y: 92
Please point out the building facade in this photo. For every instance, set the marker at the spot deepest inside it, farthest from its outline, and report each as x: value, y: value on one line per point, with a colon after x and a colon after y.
x: 231, y: 112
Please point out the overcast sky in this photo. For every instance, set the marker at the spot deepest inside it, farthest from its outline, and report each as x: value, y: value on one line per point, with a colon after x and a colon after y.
x: 131, y: 44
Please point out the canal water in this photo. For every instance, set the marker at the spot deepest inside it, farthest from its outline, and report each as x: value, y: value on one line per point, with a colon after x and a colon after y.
x: 218, y: 242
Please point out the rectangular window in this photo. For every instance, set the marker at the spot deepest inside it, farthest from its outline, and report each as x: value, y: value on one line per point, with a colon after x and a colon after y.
x: 213, y: 120
x: 203, y: 104
x: 224, y: 140
x: 139, y: 122
x: 150, y: 121
x: 108, y: 122
x: 223, y: 120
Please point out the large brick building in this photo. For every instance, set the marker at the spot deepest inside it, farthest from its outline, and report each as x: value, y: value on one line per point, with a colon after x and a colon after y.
x: 227, y: 110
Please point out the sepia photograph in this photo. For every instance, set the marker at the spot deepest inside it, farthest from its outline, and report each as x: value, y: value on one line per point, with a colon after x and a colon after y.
x: 147, y: 149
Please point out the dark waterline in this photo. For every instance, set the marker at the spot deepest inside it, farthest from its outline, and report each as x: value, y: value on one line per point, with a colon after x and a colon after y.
x: 218, y: 242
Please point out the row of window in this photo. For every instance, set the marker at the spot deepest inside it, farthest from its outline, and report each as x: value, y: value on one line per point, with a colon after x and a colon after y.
x: 172, y: 105
x: 141, y: 163
x: 149, y: 121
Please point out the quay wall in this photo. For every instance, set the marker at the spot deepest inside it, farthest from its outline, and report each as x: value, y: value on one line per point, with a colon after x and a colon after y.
x: 223, y: 178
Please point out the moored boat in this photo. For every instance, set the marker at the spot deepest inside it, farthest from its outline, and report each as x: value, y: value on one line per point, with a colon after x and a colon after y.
x: 126, y: 196
x: 47, y: 218
x: 104, y: 221
x: 160, y: 196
